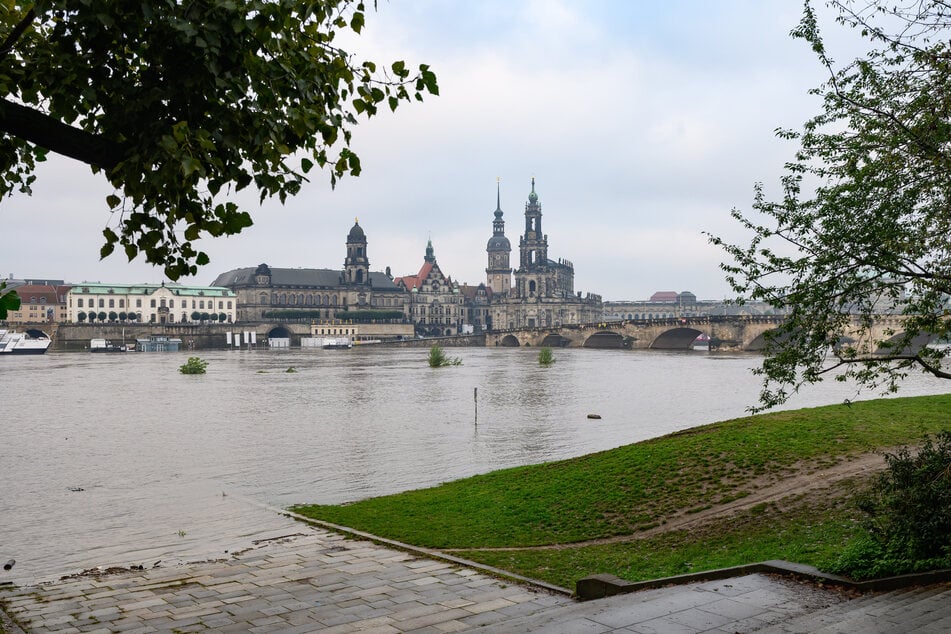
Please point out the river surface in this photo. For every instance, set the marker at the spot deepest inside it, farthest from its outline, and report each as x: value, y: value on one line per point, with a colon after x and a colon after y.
x: 118, y: 459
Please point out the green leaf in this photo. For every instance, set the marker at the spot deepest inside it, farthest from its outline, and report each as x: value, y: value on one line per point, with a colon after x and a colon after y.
x: 191, y: 165
x: 357, y: 21
x: 113, y: 201
x: 192, y: 232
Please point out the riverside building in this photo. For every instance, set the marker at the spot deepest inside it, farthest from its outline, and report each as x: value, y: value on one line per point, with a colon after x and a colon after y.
x: 315, y: 294
x: 150, y: 303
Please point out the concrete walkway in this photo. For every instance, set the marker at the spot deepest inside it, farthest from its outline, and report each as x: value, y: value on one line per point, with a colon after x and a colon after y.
x: 319, y: 581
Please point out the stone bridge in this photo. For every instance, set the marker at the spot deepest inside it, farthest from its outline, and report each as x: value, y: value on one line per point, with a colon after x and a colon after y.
x: 726, y: 333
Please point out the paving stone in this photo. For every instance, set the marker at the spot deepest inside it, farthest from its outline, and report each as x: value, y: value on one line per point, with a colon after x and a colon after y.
x: 321, y: 582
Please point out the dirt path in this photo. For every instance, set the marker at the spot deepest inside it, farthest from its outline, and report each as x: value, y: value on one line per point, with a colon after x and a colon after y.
x: 763, y: 490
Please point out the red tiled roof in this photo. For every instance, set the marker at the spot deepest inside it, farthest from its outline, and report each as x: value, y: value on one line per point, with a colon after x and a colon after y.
x: 31, y: 293
x: 664, y: 296
x: 415, y: 281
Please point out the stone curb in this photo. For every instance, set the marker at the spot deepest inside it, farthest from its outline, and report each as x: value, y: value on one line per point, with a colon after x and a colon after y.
x: 431, y: 554
x: 606, y: 585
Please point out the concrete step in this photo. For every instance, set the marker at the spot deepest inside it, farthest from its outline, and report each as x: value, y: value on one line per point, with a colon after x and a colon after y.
x: 919, y: 609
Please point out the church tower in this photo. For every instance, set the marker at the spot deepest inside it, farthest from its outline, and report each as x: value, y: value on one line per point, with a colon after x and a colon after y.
x: 356, y: 265
x: 533, y: 246
x: 499, y: 249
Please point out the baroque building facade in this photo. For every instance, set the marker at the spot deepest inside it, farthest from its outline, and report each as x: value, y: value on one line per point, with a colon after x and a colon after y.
x: 543, y: 294
x: 435, y: 303
x: 315, y: 293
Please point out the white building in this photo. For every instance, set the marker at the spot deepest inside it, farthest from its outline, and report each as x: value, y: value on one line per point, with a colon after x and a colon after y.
x: 150, y: 303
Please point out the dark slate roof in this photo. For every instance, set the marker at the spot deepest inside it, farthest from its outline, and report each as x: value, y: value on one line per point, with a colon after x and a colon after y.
x: 498, y: 243
x: 237, y: 278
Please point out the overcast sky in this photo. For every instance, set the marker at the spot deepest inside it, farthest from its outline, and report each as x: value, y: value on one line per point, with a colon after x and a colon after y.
x: 643, y: 123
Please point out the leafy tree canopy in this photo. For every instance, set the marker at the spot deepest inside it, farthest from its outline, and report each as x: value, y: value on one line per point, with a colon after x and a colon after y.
x: 863, y: 227
x: 9, y: 300
x: 179, y: 104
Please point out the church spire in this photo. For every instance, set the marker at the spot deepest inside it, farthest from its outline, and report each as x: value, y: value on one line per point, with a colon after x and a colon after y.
x: 430, y: 256
x: 498, y: 198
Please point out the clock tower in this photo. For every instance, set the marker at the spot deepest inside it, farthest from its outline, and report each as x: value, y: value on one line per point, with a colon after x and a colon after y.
x: 499, y: 249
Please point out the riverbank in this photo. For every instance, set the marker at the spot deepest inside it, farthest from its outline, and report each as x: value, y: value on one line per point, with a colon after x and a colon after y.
x: 773, y: 486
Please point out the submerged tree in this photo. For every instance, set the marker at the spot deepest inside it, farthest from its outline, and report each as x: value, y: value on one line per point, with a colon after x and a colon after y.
x: 863, y: 228
x: 179, y: 104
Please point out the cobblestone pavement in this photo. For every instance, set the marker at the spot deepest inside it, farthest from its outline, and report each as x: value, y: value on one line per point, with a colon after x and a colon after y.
x: 320, y: 581
x: 317, y: 581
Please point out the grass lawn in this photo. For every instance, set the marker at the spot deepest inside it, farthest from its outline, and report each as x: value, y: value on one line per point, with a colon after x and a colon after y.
x: 625, y: 491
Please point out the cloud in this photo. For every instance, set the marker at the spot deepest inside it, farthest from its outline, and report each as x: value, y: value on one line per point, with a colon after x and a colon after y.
x: 644, y: 124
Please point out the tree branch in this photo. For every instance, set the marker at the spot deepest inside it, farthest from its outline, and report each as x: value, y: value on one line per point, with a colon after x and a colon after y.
x: 42, y: 130
x: 17, y: 31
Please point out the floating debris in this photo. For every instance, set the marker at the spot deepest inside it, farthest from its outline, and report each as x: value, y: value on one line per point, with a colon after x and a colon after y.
x: 595, y: 416
x: 75, y: 489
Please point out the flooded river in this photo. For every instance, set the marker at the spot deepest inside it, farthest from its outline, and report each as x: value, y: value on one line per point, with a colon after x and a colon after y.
x: 118, y: 459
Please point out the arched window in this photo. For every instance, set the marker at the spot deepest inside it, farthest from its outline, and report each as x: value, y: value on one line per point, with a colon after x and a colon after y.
x: 300, y: 299
x: 334, y: 300
x: 327, y: 300
x: 79, y: 303
x: 284, y: 298
x: 293, y: 299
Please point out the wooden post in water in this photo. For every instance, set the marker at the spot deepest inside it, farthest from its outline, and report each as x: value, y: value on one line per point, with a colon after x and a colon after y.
x: 475, y: 399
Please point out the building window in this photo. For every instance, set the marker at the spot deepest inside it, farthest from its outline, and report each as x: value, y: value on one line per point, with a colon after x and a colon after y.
x: 112, y: 303
x: 138, y: 303
x: 121, y: 303
x: 79, y: 302
x: 153, y: 302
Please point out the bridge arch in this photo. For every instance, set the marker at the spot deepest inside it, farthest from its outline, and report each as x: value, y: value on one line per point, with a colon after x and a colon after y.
x: 554, y: 340
x: 914, y: 346
x: 676, y: 339
x: 279, y: 332
x: 604, y: 339
x: 760, y: 341
x: 510, y: 341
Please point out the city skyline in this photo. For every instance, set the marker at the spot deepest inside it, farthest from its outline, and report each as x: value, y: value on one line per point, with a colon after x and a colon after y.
x: 643, y: 127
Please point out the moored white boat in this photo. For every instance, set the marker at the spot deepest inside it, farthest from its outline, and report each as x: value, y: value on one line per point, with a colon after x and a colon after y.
x: 23, y: 342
